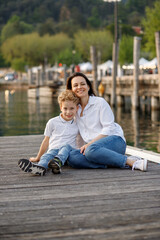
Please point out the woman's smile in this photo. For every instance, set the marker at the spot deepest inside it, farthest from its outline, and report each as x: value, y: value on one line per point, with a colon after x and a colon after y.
x: 80, y: 87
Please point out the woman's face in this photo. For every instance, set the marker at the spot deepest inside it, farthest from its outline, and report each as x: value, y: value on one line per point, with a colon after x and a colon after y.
x: 80, y: 86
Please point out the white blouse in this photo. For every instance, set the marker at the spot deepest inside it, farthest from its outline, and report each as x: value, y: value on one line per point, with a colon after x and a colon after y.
x: 97, y: 119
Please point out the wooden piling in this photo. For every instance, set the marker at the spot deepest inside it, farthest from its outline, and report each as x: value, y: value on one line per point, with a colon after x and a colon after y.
x: 115, y: 56
x: 30, y: 78
x: 120, y: 101
x: 65, y: 74
x: 42, y: 77
x: 93, y: 54
x: 155, y: 103
x: 135, y: 115
x: 136, y: 54
x: 37, y: 83
x: 157, y: 40
x: 114, y: 75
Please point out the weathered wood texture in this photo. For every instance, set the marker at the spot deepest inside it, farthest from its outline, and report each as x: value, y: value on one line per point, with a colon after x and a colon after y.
x: 77, y: 204
x: 148, y: 85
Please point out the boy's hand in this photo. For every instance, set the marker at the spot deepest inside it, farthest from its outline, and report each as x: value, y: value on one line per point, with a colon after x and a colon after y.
x: 34, y: 159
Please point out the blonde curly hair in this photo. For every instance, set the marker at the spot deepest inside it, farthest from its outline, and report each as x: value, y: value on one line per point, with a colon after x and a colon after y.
x: 68, y: 95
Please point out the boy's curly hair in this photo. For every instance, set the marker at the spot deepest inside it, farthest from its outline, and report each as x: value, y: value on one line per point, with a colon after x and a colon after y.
x: 68, y: 95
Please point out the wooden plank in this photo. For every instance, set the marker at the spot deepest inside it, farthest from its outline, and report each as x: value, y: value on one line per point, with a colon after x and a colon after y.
x: 151, y: 156
x: 79, y: 204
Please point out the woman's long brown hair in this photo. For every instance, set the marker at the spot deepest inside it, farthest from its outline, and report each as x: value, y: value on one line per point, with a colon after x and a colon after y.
x: 79, y: 74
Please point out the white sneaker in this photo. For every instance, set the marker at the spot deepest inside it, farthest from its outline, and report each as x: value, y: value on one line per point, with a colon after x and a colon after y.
x: 139, y: 164
x: 135, y: 158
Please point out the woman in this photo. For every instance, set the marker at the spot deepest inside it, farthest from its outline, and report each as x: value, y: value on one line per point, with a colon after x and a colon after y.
x: 105, y: 144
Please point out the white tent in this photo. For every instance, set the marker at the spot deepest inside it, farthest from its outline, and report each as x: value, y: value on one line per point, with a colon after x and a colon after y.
x: 105, y: 67
x: 85, y: 67
x: 35, y: 69
x: 151, y: 64
x: 143, y: 62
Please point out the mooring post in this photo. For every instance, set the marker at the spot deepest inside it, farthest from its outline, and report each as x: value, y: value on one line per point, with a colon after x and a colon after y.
x: 114, y: 74
x: 93, y: 55
x: 37, y: 83
x: 65, y: 74
x: 136, y: 55
x: 29, y: 76
x: 155, y: 103
x: 115, y: 56
x: 157, y: 40
x: 120, y: 101
x: 135, y: 116
x: 41, y: 77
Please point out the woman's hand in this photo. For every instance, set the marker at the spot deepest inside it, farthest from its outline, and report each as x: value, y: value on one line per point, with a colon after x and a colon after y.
x: 83, y: 148
x: 34, y: 159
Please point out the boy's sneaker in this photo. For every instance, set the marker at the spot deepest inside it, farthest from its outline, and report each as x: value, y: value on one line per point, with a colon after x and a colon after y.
x: 28, y: 166
x: 55, y: 164
x: 139, y: 164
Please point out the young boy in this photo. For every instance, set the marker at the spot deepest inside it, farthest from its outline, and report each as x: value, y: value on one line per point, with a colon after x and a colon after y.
x: 60, y: 138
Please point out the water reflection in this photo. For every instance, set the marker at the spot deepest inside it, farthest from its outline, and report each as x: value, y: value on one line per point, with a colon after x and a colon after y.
x: 40, y: 111
x: 22, y: 115
x: 6, y: 94
x: 135, y: 122
x: 141, y: 128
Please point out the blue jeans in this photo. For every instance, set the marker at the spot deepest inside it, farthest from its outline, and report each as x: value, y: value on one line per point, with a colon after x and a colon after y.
x: 61, y: 153
x: 108, y: 151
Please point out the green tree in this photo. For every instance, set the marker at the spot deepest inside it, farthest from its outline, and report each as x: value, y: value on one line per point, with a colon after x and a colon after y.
x: 48, y: 27
x: 33, y: 49
x: 2, y: 61
x: 102, y: 40
x: 26, y: 47
x: 94, y: 21
x: 151, y: 25
x: 123, y: 29
x: 137, y: 6
x: 66, y: 28
x: 13, y: 27
x: 37, y: 12
x: 69, y: 56
x: 126, y: 30
x: 18, y: 64
x: 126, y: 50
x: 53, y: 45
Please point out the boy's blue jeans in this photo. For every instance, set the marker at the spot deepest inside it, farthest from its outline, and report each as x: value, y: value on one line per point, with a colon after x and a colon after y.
x: 62, y: 153
x: 108, y: 151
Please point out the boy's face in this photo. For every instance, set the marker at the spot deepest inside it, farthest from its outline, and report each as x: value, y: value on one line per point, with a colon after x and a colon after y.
x: 68, y: 109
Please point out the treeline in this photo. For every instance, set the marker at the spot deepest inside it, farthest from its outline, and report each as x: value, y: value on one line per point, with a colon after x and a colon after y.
x: 38, y: 31
x: 53, y: 16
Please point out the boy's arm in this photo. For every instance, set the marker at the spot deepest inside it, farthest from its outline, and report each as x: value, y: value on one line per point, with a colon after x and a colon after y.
x: 43, y: 148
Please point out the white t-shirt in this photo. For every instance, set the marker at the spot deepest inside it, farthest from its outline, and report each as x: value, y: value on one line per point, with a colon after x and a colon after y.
x: 61, y: 132
x: 97, y: 119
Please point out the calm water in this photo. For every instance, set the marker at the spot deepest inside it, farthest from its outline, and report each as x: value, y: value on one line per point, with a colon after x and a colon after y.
x: 20, y: 115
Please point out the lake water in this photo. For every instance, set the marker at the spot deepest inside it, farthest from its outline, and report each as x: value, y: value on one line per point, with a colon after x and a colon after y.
x: 21, y: 115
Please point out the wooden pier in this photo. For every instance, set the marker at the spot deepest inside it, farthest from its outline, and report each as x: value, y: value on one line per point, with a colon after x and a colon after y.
x: 98, y: 204
x: 148, y: 88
